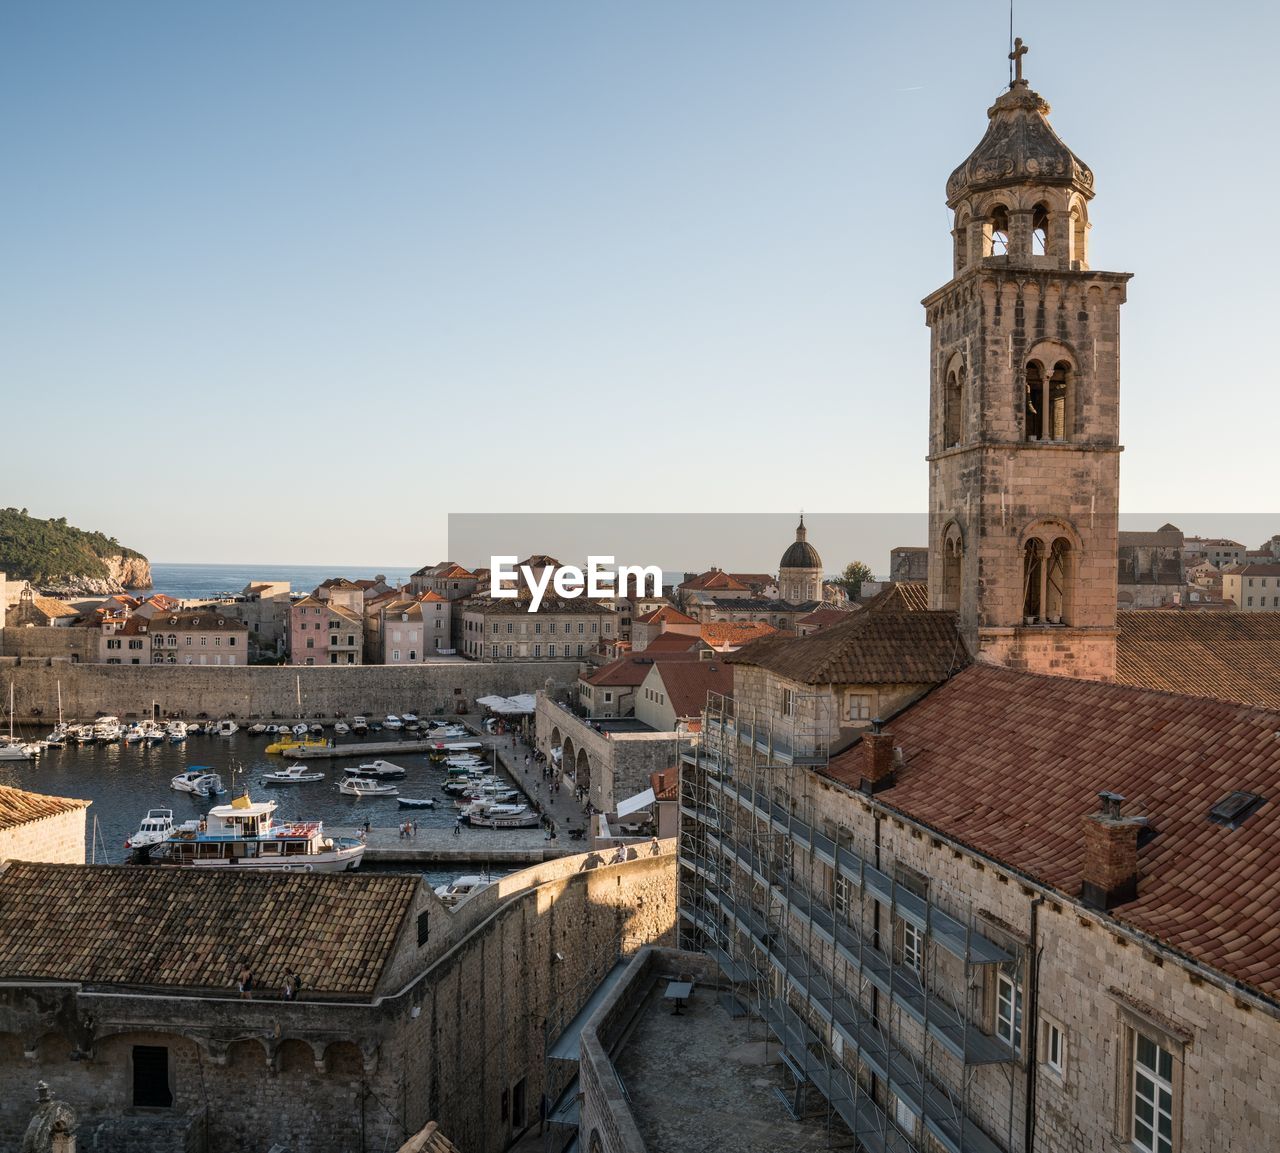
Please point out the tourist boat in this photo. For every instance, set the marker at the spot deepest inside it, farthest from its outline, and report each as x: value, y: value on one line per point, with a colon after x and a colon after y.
x: 492, y: 815
x: 490, y: 790
x: 243, y: 835
x: 377, y: 769
x: 227, y: 728
x: 176, y: 731
x: 155, y: 827
x: 416, y: 802
x: 461, y: 888
x: 290, y: 744
x: 201, y: 781
x: 342, y: 728
x: 292, y: 775
x: 391, y: 721
x: 367, y: 787
x: 360, y: 725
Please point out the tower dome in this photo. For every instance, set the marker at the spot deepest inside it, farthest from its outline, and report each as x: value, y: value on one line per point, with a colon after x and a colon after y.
x: 801, y: 554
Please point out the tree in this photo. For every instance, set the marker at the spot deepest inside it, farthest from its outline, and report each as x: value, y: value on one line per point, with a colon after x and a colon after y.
x: 855, y: 572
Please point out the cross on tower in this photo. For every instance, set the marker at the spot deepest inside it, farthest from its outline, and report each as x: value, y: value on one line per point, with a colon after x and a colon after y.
x: 1019, y: 51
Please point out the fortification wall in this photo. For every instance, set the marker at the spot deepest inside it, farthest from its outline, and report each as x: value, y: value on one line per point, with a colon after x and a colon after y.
x: 269, y: 691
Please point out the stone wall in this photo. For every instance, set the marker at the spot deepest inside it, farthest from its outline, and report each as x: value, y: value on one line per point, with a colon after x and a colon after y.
x: 59, y: 839
x: 42, y: 642
x: 450, y: 1045
x: 265, y: 692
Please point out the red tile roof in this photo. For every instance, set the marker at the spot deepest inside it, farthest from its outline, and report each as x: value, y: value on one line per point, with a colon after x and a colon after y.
x: 667, y: 614
x: 633, y: 668
x: 688, y: 682
x: 901, y: 596
x: 1232, y: 656
x: 1011, y: 763
x: 867, y: 648
x: 672, y: 643
x: 19, y: 807
x: 665, y: 784
x: 821, y: 618
x: 715, y: 579
x: 732, y: 634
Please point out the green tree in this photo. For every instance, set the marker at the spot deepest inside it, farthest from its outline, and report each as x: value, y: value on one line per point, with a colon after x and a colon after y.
x: 855, y: 572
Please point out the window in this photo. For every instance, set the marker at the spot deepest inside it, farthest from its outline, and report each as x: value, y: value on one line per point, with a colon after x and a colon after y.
x: 495, y: 626
x: 858, y: 706
x: 231, y: 642
x: 1152, y: 1096
x: 537, y: 626
x: 551, y: 650
x: 217, y: 642
x: 508, y: 650
x: 842, y: 893
x: 413, y: 654
x: 395, y: 654
x: 493, y: 650
x: 310, y: 642
x: 912, y: 946
x: 204, y: 640
x: 115, y: 644
x: 1039, y: 230
x: 582, y: 627
x: 579, y: 650
x: 511, y: 626
x: 351, y: 639
x: 151, y: 1089
x: 608, y: 698
x: 424, y: 927
x: 788, y: 703
x: 903, y: 1117
x: 1053, y: 1045
x: 537, y: 650
x: 1009, y: 1010
x: 135, y: 644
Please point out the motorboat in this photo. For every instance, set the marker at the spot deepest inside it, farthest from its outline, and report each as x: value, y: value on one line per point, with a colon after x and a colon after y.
x: 292, y: 775
x: 492, y: 815
x: 154, y: 828
x: 133, y: 735
x: 106, y: 730
x: 442, y: 749
x: 227, y: 728
x: 18, y: 750
x: 409, y: 718
x: 176, y: 731
x: 391, y: 721
x: 367, y: 787
x: 289, y: 744
x: 360, y: 725
x: 317, y: 729
x: 271, y: 730
x: 300, y: 729
x: 244, y: 835
x: 376, y: 769
x: 258, y: 729
x: 461, y: 888
x: 57, y: 739
x: 200, y: 781
x: 341, y: 728
x: 416, y: 802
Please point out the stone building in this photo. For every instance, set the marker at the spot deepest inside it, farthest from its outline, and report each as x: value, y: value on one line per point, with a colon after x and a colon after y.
x: 35, y: 611
x: 800, y: 570
x: 1024, y: 406
x: 1218, y: 551
x: 664, y: 619
x: 205, y: 636
x: 502, y: 629
x: 909, y: 563
x: 34, y: 827
x: 325, y: 631
x: 1252, y: 588
x: 1150, y: 569
x: 406, y: 631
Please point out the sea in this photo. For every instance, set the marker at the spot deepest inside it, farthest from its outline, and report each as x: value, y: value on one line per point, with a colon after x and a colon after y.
x: 124, y: 781
x: 202, y: 581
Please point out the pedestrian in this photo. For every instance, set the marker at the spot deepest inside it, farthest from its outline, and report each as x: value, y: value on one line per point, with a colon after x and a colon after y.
x: 457, y: 827
x: 296, y: 982
x: 402, y: 832
x: 415, y: 827
x: 653, y: 847
x: 244, y: 981
x: 286, y: 991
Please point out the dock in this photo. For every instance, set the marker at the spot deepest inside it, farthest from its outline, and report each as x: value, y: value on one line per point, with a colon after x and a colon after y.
x: 469, y: 846
x: 363, y: 749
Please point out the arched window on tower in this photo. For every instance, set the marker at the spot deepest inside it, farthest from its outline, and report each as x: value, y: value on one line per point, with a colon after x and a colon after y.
x: 1076, y: 238
x: 962, y: 242
x: 953, y: 407
x: 1039, y: 231
x: 1057, y: 582
x: 998, y: 232
x: 1034, y: 378
x: 952, y: 562
x: 1059, y: 400
x: 1032, y: 577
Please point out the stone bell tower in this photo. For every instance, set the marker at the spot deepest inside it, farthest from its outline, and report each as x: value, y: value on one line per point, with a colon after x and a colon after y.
x: 1025, y: 405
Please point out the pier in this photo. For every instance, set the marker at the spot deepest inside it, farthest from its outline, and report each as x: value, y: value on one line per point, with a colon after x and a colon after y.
x: 517, y: 847
x: 364, y: 749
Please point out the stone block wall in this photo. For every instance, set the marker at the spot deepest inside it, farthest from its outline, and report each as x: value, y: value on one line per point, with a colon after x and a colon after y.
x: 59, y: 839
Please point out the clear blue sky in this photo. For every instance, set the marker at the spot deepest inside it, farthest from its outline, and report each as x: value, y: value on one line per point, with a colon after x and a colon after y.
x: 292, y: 281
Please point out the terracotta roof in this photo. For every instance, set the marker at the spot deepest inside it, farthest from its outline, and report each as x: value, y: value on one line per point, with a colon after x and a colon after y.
x: 667, y: 614
x: 1230, y: 656
x: 18, y: 807
x: 821, y: 618
x: 1011, y: 763
x: 1255, y: 569
x: 868, y: 648
x: 181, y: 928
x: 428, y: 1140
x: 901, y: 596
x: 672, y: 643
x: 717, y: 580
x: 432, y: 596
x: 665, y: 784
x: 456, y: 572
x: 722, y: 634
x: 339, y: 583
x: 632, y: 669
x: 53, y: 608
x: 191, y: 620
x: 343, y: 611
x: 688, y: 682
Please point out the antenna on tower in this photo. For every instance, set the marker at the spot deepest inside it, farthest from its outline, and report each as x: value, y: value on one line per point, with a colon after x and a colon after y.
x: 1010, y: 43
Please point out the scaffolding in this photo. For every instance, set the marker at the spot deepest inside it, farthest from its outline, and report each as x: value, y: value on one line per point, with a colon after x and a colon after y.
x: 875, y: 993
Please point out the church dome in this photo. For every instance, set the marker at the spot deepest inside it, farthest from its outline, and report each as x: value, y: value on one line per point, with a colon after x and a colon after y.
x: 801, y: 554
x: 1019, y: 148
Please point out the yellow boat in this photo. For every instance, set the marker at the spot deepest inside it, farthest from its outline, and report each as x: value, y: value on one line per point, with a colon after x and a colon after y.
x: 293, y: 744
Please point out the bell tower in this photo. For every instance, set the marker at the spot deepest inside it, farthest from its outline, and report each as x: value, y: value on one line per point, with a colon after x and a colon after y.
x: 1025, y: 405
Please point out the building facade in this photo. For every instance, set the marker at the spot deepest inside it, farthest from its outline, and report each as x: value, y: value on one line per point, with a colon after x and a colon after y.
x: 1252, y: 588
x: 325, y: 632
x: 500, y: 629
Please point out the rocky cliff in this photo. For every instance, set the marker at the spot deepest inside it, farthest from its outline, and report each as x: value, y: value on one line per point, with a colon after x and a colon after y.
x: 61, y: 559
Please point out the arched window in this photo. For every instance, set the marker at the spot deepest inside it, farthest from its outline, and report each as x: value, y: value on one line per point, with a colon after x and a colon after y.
x: 998, y: 231
x: 1034, y: 400
x: 1048, y: 578
x: 962, y: 242
x: 1059, y: 407
x: 1057, y: 581
x: 1032, y: 575
x: 1078, y: 253
x: 1039, y: 231
x: 953, y: 407
x: 952, y: 560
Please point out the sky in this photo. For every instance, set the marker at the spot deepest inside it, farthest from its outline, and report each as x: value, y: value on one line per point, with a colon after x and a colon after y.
x: 294, y: 282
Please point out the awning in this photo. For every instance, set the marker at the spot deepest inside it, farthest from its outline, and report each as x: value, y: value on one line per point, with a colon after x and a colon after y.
x: 639, y: 801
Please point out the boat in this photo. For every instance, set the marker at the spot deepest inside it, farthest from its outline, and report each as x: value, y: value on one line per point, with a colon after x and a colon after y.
x: 258, y: 729
x: 200, y: 781
x: 291, y: 744
x: 374, y: 769
x: 417, y: 802
x: 461, y: 888
x: 227, y: 728
x: 391, y: 721
x: 57, y: 739
x: 133, y: 735
x: 492, y: 815
x: 360, y: 725
x: 367, y: 787
x: 176, y: 731
x: 300, y: 730
x: 409, y: 718
x: 292, y: 775
x: 317, y: 729
x: 107, y: 729
x: 11, y: 748
x: 342, y: 728
x: 155, y: 827
x: 244, y: 835
x: 443, y: 749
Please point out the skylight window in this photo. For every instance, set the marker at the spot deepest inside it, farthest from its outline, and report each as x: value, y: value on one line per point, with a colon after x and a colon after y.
x: 1235, y: 808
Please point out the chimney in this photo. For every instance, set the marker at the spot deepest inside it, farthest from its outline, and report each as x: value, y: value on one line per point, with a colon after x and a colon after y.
x: 877, y: 759
x: 1110, y: 875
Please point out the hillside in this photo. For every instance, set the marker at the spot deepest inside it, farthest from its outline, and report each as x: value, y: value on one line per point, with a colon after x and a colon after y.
x: 55, y: 556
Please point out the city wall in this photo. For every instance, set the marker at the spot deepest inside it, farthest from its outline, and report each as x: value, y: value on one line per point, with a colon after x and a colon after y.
x: 266, y: 691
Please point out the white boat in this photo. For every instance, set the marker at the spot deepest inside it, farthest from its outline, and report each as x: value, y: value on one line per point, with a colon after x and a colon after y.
x: 461, y: 888
x: 243, y: 835
x: 409, y: 718
x: 155, y: 827
x: 317, y: 729
x: 300, y: 730
x: 341, y: 728
x: 176, y: 731
x: 227, y: 728
x: 11, y: 748
x: 106, y: 730
x: 258, y: 729
x: 377, y: 769
x: 489, y: 815
x: 57, y: 739
x: 199, y: 781
x: 360, y: 725
x: 391, y: 721
x: 417, y: 802
x: 292, y: 775
x: 367, y: 787
x: 273, y: 729
x: 133, y: 735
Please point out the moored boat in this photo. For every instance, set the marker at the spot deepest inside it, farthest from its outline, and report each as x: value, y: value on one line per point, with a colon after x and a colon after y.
x: 292, y: 775
x: 461, y: 888
x: 417, y: 802
x: 491, y: 815
x: 227, y: 728
x: 341, y: 728
x: 367, y: 787
x: 378, y: 769
x: 154, y: 828
x: 290, y: 744
x: 200, y: 781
